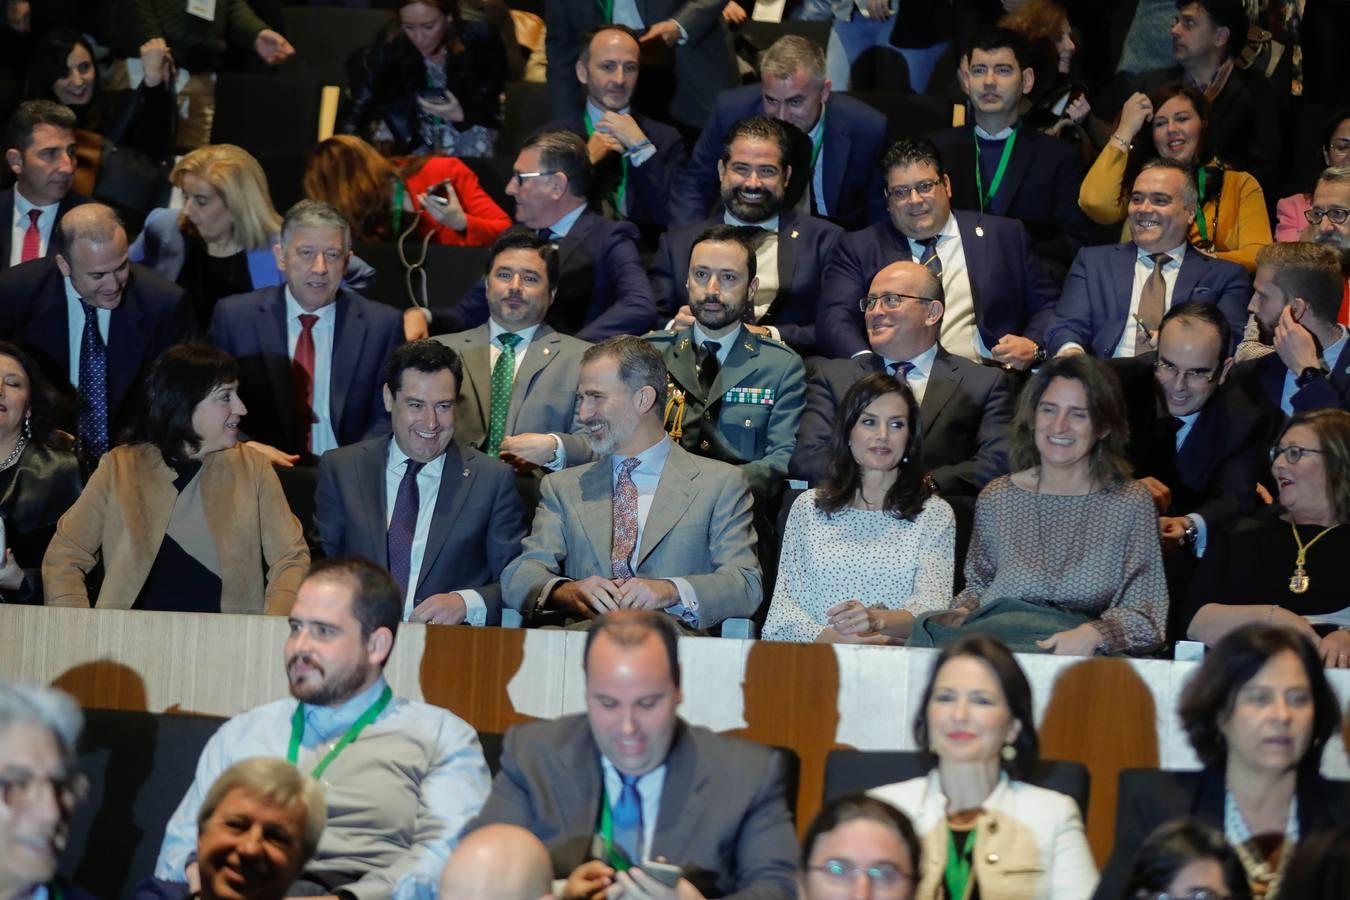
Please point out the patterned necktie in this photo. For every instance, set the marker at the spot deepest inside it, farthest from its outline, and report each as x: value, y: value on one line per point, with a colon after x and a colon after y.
x: 627, y: 817
x: 32, y: 238
x: 503, y: 373
x: 625, y: 520
x: 708, y: 366
x: 901, y: 371
x: 402, y: 526
x: 93, y: 421
x: 1153, y: 294
x: 545, y: 233
x: 930, y: 258
x: 302, y: 381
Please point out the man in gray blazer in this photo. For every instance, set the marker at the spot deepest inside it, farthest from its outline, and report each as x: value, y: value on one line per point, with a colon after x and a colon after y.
x: 630, y: 782
x: 536, y: 374
x: 442, y: 517
x: 647, y: 525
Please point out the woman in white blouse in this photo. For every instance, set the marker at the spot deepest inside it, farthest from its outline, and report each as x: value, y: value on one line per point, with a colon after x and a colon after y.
x: 871, y: 548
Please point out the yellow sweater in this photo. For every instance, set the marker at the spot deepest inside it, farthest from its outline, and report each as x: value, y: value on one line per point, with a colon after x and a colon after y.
x: 1243, y: 227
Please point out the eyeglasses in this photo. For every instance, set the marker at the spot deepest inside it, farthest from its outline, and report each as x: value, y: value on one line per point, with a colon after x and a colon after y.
x: 1192, y: 378
x: 1291, y: 452
x: 1337, y: 215
x: 1201, y: 894
x: 889, y: 302
x: 1341, y: 145
x: 519, y: 177
x: 901, y: 191
x: 20, y: 787
x: 883, y: 878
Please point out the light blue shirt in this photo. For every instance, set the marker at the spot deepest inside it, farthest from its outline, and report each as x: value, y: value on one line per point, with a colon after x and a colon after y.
x: 75, y: 328
x: 1329, y: 357
x: 636, y: 156
x: 649, y: 788
x: 19, y: 226
x: 1183, y: 432
x: 322, y: 436
x: 724, y: 343
x: 398, y: 796
x: 564, y: 225
x: 818, y: 173
x: 917, y: 379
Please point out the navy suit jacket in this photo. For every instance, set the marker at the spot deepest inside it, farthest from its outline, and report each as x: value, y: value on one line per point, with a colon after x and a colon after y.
x: 1263, y: 380
x: 805, y: 245
x: 476, y: 528
x: 965, y: 413
x: 602, y: 290
x: 1094, y: 307
x: 252, y: 328
x: 54, y: 246
x: 152, y: 317
x: 855, y: 138
x: 1012, y: 292
x: 650, y: 184
x: 1040, y: 187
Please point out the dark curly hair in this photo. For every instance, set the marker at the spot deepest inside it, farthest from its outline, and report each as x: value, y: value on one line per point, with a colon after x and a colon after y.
x: 44, y: 404
x: 1176, y: 844
x: 860, y: 807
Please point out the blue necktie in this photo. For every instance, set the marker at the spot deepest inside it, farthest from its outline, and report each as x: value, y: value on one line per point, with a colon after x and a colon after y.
x: 402, y: 527
x: 93, y: 421
x: 627, y: 815
x: 930, y: 258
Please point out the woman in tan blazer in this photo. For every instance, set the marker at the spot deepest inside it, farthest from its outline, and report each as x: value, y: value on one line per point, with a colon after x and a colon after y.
x: 181, y: 517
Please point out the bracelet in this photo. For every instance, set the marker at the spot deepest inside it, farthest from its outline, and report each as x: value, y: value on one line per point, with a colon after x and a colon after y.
x: 1124, y: 144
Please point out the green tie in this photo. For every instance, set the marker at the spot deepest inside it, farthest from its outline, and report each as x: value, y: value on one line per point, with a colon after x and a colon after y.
x: 606, y: 10
x: 503, y: 373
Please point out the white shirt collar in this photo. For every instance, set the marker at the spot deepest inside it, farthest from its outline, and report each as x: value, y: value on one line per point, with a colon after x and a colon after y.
x: 923, y: 363
x: 564, y: 225
x: 525, y: 334
x: 326, y: 313
x: 948, y: 230
x: 767, y: 224
x: 1177, y: 253
x: 1000, y: 136
x: 397, y: 458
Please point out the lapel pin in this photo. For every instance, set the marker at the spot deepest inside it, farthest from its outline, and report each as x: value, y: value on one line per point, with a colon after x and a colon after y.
x: 747, y: 346
x: 546, y: 351
x: 979, y: 231
x: 794, y: 234
x: 466, y: 472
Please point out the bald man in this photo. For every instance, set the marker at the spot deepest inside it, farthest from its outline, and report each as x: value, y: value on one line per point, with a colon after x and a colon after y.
x: 498, y: 862
x: 94, y: 321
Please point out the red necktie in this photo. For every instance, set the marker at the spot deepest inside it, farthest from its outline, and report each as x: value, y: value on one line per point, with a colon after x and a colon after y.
x: 302, y: 380
x: 32, y: 238
x: 1344, y: 317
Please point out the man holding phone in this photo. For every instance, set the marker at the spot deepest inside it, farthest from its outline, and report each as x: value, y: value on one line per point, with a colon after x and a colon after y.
x: 594, y: 788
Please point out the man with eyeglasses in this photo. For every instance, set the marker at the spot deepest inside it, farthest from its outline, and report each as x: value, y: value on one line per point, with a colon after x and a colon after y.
x: 791, y: 250
x: 1329, y: 224
x: 1116, y: 296
x: 39, y: 789
x: 602, y: 290
x: 999, y: 300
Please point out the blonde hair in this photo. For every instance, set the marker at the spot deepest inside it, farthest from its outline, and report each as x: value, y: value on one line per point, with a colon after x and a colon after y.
x: 273, y: 781
x: 351, y: 176
x: 236, y: 176
x: 792, y: 53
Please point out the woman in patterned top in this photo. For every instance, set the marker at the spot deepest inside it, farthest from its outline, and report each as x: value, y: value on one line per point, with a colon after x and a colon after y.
x: 872, y: 547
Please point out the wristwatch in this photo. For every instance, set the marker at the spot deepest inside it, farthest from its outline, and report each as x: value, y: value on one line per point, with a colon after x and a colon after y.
x: 1039, y: 358
x: 1192, y: 532
x: 1308, y: 376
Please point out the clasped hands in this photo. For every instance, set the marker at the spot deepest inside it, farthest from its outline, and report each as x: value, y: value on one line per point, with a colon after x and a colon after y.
x: 595, y: 880
x: 593, y: 595
x: 851, y: 622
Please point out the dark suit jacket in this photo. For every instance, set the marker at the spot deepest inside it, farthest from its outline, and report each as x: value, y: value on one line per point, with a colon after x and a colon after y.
x: 1150, y: 797
x: 1094, y: 307
x: 1012, y: 292
x: 602, y: 290
x: 649, y: 185
x: 855, y: 138
x: 1040, y: 187
x: 252, y: 328
x: 805, y: 245
x: 1263, y: 380
x: 965, y: 414
x: 56, y: 245
x: 476, y: 529
x: 723, y: 817
x: 152, y: 317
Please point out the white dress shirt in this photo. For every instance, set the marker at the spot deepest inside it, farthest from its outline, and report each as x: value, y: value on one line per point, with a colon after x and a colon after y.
x: 495, y: 333
x: 958, y: 333
x: 75, y: 328
x: 917, y: 379
x: 1143, y: 269
x: 322, y: 434
x: 18, y: 226
x: 766, y: 266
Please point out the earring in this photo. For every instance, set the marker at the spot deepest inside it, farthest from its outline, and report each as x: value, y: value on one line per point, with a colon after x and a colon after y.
x: 28, y: 426
x: 905, y: 458
x: 1009, y: 752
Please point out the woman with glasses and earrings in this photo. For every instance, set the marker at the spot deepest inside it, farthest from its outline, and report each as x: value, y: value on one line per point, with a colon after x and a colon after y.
x: 1291, y: 213
x: 858, y: 837
x: 1185, y: 859
x: 983, y: 830
x: 1258, y: 713
x: 1289, y: 570
x: 866, y: 551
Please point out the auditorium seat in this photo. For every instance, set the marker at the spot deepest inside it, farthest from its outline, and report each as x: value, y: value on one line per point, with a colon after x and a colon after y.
x: 760, y: 35
x: 300, y: 484
x: 266, y: 114
x: 492, y: 174
x: 528, y: 109
x: 907, y: 115
x: 450, y: 271
x: 325, y: 38
x: 850, y: 771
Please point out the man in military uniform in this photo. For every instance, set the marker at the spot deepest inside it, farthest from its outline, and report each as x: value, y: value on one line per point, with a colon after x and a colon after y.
x: 736, y: 394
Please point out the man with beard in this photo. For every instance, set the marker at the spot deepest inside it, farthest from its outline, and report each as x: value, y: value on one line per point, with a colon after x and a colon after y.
x: 1329, y: 223
x: 401, y: 777
x: 648, y: 525
x: 791, y: 249
x: 739, y: 394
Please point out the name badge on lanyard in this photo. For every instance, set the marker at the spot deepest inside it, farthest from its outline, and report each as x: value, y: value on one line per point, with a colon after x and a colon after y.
x: 202, y: 9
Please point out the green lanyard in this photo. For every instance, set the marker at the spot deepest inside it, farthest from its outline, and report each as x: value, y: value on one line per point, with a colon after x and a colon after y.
x: 397, y: 211
x: 606, y: 10
x: 1200, y: 207
x: 53, y: 891
x: 957, y: 874
x: 815, y: 147
x: 298, y: 730
x: 618, y: 861
x: 987, y: 200
x: 623, y: 179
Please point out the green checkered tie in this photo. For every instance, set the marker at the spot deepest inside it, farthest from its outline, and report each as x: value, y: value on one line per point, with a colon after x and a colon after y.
x: 503, y: 373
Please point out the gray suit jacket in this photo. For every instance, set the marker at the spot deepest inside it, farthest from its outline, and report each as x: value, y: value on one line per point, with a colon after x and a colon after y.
x: 476, y: 527
x: 543, y: 394
x: 699, y: 529
x: 723, y: 817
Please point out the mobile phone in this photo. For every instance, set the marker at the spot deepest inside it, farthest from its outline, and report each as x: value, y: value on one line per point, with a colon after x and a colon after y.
x: 433, y: 95
x: 663, y: 872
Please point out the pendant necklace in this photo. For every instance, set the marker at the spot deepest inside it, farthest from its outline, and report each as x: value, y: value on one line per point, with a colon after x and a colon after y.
x: 1299, y: 581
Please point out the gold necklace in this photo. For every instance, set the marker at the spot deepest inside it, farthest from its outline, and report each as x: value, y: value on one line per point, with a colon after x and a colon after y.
x: 1299, y: 581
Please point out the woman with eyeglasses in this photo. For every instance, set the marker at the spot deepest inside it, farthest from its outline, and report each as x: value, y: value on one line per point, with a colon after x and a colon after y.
x: 1185, y: 859
x: 1291, y: 213
x: 858, y: 837
x: 983, y: 831
x: 1288, y: 571
x: 1258, y: 713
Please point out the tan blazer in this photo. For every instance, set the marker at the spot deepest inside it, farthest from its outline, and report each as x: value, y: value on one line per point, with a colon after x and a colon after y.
x: 123, y: 514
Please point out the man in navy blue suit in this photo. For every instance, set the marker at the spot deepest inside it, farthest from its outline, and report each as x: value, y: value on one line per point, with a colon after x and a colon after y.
x: 998, y: 165
x: 846, y: 138
x: 1115, y: 296
x: 999, y: 300
x: 635, y: 157
x: 792, y: 249
x: 311, y: 352
x: 602, y: 290
x: 94, y: 322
